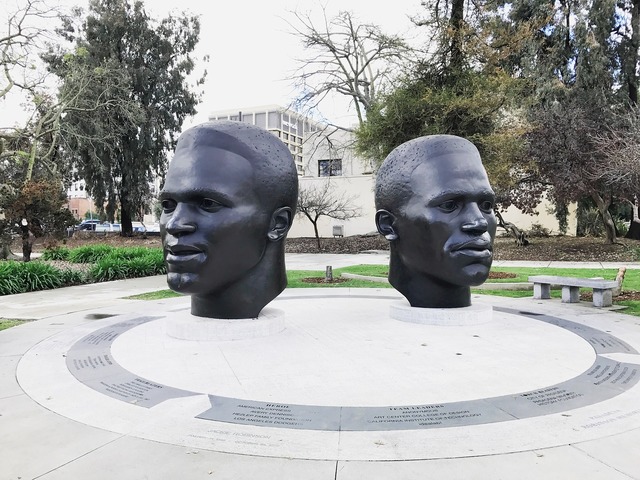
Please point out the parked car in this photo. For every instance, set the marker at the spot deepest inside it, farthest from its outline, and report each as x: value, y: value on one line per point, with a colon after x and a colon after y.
x: 89, y: 224
x: 138, y: 227
x: 153, y: 229
x: 107, y: 227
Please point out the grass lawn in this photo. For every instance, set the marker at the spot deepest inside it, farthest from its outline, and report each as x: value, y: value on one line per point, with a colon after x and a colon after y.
x: 7, y: 323
x: 157, y: 295
x: 631, y: 280
x: 295, y: 280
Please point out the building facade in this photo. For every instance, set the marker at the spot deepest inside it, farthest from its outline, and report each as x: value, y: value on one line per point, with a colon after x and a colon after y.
x: 330, y: 157
x: 287, y: 125
x: 326, y: 161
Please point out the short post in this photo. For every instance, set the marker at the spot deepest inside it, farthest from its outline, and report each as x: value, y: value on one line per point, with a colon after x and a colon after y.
x: 328, y: 274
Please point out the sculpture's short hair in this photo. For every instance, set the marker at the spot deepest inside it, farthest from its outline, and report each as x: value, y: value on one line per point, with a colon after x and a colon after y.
x: 393, y: 179
x: 275, y: 172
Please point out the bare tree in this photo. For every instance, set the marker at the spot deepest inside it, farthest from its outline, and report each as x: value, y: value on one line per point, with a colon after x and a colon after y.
x: 45, y: 132
x: 344, y: 57
x: 35, y: 147
x: 619, y: 145
x: 21, y: 36
x: 323, y: 200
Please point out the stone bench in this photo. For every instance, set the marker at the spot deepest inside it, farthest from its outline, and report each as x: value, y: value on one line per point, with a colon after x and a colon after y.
x: 602, y: 289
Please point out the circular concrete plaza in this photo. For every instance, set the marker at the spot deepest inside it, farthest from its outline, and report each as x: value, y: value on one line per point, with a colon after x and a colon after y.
x: 338, y: 375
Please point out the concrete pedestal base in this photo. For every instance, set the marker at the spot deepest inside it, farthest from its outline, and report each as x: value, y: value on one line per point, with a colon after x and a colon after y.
x: 185, y: 326
x: 476, y: 314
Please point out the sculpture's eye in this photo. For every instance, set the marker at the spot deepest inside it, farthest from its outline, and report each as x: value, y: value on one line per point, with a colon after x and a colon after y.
x: 168, y: 205
x: 486, y: 206
x: 209, y: 205
x: 448, y: 206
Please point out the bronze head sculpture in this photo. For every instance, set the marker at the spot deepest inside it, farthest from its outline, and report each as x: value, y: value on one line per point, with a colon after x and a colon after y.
x: 435, y: 206
x: 227, y: 204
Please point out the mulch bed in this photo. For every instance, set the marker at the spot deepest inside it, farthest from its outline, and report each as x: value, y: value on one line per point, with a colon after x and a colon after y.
x: 625, y: 295
x: 502, y: 275
x: 322, y: 280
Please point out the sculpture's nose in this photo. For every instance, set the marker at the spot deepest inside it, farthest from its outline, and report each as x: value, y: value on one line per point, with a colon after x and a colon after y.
x: 181, y: 222
x: 475, y: 221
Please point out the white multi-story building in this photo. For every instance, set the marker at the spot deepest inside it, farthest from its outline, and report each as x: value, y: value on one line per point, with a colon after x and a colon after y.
x: 287, y: 125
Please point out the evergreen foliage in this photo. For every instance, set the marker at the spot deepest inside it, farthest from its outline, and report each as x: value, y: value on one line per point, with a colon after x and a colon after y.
x: 150, y: 97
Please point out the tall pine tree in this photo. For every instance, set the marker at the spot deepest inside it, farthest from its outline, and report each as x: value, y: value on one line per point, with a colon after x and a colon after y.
x: 155, y: 60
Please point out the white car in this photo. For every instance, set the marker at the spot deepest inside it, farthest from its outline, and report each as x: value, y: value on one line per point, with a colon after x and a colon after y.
x: 153, y: 229
x: 138, y: 227
x: 107, y: 227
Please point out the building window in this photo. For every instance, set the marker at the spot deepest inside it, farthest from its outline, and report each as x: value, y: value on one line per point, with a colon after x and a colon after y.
x: 330, y: 168
x: 274, y: 120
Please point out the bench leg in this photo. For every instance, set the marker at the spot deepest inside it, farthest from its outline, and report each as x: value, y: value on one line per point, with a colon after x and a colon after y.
x: 570, y: 294
x: 541, y: 290
x: 602, y: 298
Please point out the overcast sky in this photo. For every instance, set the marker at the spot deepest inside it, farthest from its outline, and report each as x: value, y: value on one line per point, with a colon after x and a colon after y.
x: 252, y: 51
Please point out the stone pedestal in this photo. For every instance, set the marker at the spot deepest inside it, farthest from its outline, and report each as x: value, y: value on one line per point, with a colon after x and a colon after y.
x: 476, y: 314
x: 185, y: 326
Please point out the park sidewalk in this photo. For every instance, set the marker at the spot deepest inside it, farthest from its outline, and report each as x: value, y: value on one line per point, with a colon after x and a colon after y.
x: 48, y: 303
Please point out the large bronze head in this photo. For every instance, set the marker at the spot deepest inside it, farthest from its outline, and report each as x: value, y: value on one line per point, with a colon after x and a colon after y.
x: 435, y: 205
x: 227, y: 204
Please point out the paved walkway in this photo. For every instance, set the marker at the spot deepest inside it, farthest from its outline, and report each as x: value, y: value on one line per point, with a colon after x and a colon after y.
x: 55, y: 427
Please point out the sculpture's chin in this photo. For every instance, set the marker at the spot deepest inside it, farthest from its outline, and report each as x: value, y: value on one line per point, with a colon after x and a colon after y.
x: 182, y: 282
x: 476, y: 274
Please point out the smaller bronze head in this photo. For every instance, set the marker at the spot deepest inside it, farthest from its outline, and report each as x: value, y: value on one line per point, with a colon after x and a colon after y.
x: 435, y: 205
x: 227, y: 205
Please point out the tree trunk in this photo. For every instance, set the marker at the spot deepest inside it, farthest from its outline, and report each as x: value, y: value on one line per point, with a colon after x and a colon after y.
x: 125, y: 219
x: 315, y: 230
x: 27, y: 243
x: 457, y: 33
x: 634, y: 227
x: 632, y: 58
x: 634, y: 230
x: 609, y: 225
x: 521, y: 238
x: 5, y: 251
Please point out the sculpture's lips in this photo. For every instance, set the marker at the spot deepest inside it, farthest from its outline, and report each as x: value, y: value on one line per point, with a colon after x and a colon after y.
x: 183, y: 253
x: 474, y: 248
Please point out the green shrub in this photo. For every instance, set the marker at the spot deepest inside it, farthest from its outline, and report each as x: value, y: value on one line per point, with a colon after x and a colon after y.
x: 72, y: 277
x: 131, y: 262
x: 622, y: 226
x: 20, y: 277
x: 107, y: 269
x: 56, y: 253
x: 109, y: 264
x: 538, y: 231
x: 9, y: 278
x: 590, y: 223
x: 39, y: 276
x: 89, y: 253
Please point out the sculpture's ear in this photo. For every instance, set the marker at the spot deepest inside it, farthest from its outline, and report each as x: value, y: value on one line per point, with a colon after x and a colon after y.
x: 384, y: 222
x: 280, y: 223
